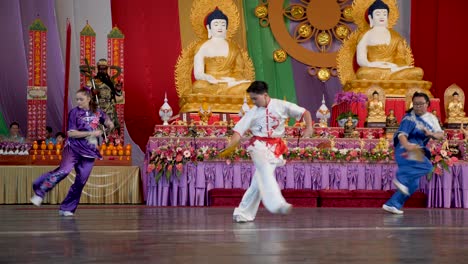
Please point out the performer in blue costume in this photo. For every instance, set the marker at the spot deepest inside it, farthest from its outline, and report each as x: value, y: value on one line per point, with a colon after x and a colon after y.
x: 411, y: 153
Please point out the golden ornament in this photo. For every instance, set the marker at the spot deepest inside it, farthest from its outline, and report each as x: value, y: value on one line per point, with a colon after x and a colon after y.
x: 280, y: 55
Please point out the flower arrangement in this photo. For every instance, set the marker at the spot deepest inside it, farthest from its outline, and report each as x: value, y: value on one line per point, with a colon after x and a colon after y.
x: 441, y: 157
x: 165, y: 158
x: 14, y: 148
x: 350, y: 97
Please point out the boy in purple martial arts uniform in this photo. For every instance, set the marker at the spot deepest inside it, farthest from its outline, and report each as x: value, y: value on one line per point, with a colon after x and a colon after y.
x: 79, y: 152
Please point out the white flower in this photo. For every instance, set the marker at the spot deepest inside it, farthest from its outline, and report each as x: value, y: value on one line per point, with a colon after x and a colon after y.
x: 187, y: 154
x: 204, y: 149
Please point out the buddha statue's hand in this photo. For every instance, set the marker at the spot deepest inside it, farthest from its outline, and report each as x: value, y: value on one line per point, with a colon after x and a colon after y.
x: 396, y: 68
x: 211, y: 79
x: 382, y: 64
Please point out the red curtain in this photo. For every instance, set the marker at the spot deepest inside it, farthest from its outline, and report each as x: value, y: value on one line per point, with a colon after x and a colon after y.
x: 438, y: 41
x: 152, y: 45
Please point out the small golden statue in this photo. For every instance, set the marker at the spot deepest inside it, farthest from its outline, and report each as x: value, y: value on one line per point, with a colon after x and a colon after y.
x: 383, y: 56
x: 391, y: 120
x: 454, y: 99
x: 222, y: 70
x: 204, y: 113
x: 376, y: 106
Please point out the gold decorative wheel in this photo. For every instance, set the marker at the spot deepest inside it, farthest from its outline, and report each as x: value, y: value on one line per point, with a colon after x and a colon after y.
x: 316, y: 27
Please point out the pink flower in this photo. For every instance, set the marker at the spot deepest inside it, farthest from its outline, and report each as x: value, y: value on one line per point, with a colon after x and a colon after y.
x: 150, y: 168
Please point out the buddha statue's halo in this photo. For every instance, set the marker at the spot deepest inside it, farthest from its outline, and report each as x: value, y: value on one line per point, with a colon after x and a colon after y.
x: 202, y: 8
x: 360, y: 8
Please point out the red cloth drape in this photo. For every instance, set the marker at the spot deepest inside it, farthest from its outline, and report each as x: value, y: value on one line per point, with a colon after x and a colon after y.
x: 67, y: 77
x: 357, y: 108
x: 438, y: 42
x: 152, y: 45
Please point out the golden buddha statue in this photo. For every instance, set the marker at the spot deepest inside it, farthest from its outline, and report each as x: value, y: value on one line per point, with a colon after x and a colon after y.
x: 376, y: 107
x: 221, y: 69
x: 383, y: 56
x: 454, y: 98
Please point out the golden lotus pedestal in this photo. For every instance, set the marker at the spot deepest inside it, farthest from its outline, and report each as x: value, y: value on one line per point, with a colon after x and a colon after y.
x: 217, y: 103
x: 392, y: 88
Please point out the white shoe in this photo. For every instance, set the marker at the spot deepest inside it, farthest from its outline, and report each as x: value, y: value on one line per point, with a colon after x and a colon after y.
x: 392, y: 209
x: 285, y: 209
x: 239, y: 219
x: 36, y: 200
x: 65, y: 213
x: 401, y: 187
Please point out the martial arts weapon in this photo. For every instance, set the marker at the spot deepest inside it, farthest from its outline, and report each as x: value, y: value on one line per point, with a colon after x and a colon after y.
x: 416, y: 154
x: 227, y: 151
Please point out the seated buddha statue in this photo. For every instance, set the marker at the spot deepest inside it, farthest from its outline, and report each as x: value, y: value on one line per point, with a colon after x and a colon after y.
x: 214, y: 69
x: 218, y: 63
x: 376, y: 111
x: 381, y: 52
x: 383, y: 56
x: 456, y: 108
x: 454, y: 98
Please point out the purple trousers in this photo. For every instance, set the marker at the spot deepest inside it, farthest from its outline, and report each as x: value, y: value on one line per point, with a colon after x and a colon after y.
x: 70, y: 160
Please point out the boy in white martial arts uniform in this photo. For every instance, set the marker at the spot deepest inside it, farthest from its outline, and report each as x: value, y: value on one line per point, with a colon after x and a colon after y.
x: 266, y: 123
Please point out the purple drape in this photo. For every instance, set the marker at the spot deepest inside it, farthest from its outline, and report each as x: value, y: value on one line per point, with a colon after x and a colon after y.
x: 15, y: 18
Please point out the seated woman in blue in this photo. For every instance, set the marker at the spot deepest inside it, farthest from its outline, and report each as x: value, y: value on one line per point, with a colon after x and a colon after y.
x: 411, y: 153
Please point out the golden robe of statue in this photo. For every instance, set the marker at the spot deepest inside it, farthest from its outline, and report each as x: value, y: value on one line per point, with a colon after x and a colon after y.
x: 383, y: 56
x: 393, y: 53
x: 224, y: 68
x: 456, y: 109
x: 221, y: 68
x: 376, y: 109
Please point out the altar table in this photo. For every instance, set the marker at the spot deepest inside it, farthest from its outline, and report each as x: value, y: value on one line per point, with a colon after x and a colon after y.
x: 192, y: 186
x: 106, y: 185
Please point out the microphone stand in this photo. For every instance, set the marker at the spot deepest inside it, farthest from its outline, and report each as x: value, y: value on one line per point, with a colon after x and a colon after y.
x: 193, y: 131
x: 299, y: 135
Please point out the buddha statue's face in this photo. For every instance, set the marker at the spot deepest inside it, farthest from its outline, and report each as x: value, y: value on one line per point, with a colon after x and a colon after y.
x: 379, y: 18
x: 218, y: 28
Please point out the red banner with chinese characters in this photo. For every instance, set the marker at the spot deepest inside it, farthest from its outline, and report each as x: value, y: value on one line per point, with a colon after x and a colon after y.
x: 37, y: 81
x: 115, y: 58
x: 87, y: 49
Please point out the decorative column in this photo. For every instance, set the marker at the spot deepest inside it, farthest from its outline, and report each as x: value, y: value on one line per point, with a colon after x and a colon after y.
x: 87, y: 49
x: 115, y: 58
x: 37, y: 81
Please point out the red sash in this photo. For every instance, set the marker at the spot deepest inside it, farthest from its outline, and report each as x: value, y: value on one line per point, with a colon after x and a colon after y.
x: 280, y: 148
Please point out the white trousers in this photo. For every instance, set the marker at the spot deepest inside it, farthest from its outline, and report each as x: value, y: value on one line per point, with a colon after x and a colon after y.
x: 264, y: 186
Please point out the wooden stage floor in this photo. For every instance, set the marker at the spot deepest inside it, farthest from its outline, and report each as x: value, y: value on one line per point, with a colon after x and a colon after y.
x: 141, y: 234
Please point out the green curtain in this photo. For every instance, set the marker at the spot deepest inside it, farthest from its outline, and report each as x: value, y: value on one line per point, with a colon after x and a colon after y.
x: 3, y: 126
x: 261, y: 45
